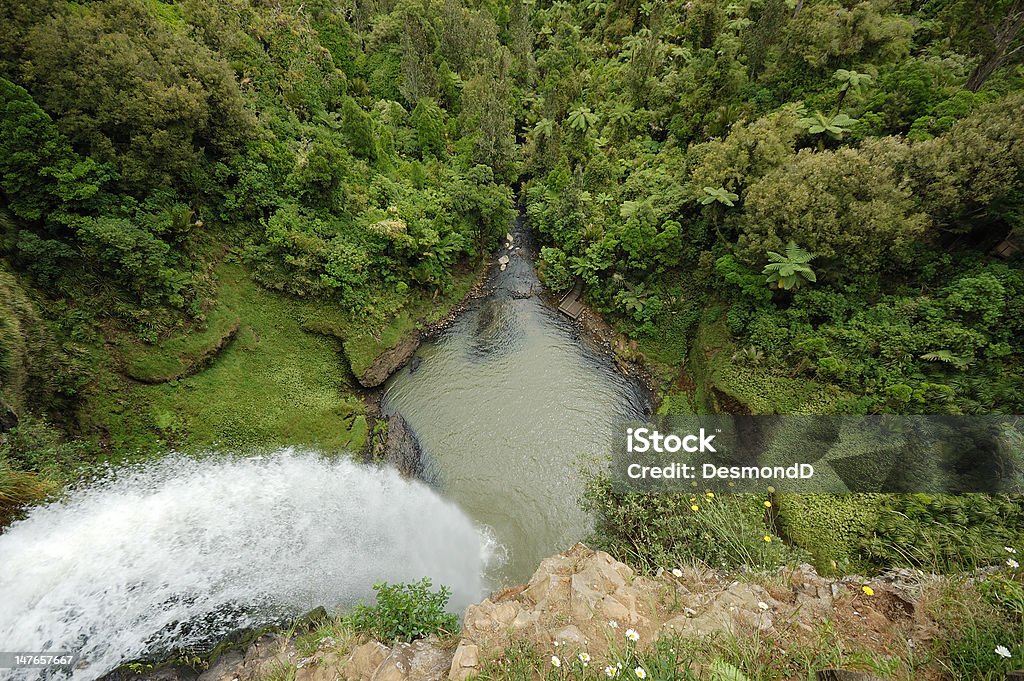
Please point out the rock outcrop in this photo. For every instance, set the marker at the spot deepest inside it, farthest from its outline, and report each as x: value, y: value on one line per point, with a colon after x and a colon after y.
x: 581, y: 600
x: 584, y: 600
x: 402, y: 448
x: 389, y: 361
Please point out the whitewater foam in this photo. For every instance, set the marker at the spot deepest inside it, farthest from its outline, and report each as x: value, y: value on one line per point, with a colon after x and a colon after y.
x: 182, y: 551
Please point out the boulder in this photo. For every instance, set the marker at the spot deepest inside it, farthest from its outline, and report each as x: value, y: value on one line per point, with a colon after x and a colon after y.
x: 364, y: 660
x: 268, y: 655
x: 225, y: 668
x: 420, y: 660
x: 464, y: 662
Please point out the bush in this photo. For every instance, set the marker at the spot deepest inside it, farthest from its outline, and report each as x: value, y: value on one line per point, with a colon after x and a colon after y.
x: 944, y: 533
x: 651, y: 530
x: 553, y: 268
x: 405, y: 612
x: 828, y: 526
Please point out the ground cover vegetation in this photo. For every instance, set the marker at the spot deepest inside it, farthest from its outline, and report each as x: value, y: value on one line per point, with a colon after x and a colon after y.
x: 212, y: 212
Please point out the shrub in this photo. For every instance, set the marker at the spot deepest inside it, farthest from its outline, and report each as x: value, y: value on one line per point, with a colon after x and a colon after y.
x: 405, y: 612
x: 944, y: 533
x: 828, y: 526
x: 553, y: 269
x: 651, y: 530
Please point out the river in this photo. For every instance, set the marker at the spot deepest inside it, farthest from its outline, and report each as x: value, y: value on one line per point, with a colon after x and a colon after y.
x: 507, y: 404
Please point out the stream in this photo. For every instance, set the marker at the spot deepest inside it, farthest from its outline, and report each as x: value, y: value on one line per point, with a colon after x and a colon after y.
x: 507, y: 403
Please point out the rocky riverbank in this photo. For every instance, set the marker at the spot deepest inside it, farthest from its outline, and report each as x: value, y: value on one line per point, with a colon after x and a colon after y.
x: 584, y: 601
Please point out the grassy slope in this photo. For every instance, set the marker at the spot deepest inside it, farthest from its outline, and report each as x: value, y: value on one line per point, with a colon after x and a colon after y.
x: 273, y: 384
x: 281, y: 379
x: 363, y: 343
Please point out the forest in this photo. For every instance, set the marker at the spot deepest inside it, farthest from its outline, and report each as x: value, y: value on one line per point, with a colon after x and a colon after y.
x: 783, y: 207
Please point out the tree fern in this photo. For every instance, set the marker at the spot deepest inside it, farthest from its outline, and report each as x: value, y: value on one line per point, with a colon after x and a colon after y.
x: 791, y: 270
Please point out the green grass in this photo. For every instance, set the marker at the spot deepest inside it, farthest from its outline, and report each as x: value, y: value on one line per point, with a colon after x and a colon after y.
x: 274, y: 384
x: 266, y: 370
x: 184, y: 354
x: 18, y: 487
x: 367, y: 338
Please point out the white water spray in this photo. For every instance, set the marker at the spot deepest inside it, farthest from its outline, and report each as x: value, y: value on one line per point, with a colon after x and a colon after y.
x: 180, y: 551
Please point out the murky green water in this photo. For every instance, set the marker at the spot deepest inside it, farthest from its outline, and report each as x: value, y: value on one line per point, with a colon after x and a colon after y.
x: 505, y: 403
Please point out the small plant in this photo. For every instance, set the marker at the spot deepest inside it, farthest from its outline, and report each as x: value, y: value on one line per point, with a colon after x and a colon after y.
x: 281, y: 671
x: 791, y: 270
x: 822, y: 124
x: 327, y: 632
x: 405, y: 612
x: 719, y: 194
x: 751, y: 354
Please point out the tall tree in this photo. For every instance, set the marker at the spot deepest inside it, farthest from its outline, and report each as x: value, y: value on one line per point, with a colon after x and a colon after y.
x: 993, y: 30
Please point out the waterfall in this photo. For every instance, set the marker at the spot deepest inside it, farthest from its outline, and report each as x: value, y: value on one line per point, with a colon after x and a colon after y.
x: 180, y: 552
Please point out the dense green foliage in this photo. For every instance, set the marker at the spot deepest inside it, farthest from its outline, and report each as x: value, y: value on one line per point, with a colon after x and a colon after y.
x: 145, y: 130
x: 405, y: 612
x: 682, y: 153
x: 792, y: 207
x: 789, y: 206
x: 358, y: 160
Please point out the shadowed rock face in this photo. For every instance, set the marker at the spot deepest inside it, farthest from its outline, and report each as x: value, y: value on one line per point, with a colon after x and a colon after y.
x: 8, y: 419
x: 389, y: 361
x: 402, y: 449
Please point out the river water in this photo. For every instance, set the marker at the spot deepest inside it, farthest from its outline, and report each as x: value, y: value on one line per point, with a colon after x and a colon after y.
x: 507, y: 403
